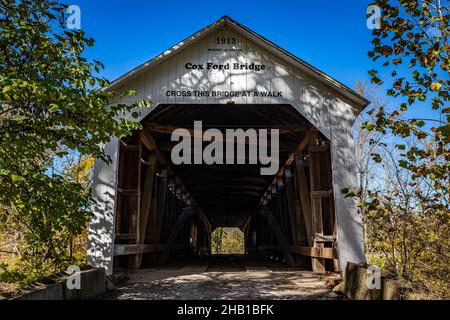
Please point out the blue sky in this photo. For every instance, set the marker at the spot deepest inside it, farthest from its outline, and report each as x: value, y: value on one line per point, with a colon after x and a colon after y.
x: 331, y: 35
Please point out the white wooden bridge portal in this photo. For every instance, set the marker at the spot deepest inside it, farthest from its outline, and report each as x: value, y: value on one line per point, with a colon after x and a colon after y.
x: 150, y: 210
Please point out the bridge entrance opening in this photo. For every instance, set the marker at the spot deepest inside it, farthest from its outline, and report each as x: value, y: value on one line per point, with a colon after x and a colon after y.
x: 167, y: 209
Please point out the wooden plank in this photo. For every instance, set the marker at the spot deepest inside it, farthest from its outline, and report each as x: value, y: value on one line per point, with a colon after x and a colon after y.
x: 321, y: 238
x: 137, y: 249
x: 161, y: 203
x: 280, y: 236
x: 174, y: 233
x: 304, y: 197
x: 322, y: 148
x: 125, y: 236
x: 322, y: 194
x: 145, y: 205
x: 292, y: 209
x: 318, y: 264
x: 288, y: 162
x: 150, y: 143
x: 317, y: 253
x: 134, y: 262
x: 128, y: 192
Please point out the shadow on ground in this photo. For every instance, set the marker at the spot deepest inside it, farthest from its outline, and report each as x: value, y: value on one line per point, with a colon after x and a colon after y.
x: 223, y: 278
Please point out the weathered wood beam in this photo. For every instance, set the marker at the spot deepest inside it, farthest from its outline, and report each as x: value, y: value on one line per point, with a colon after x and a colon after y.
x: 150, y: 143
x: 167, y: 146
x: 316, y: 253
x: 288, y: 162
x: 144, y: 207
x: 223, y: 186
x: 318, y: 264
x: 137, y: 249
x: 292, y: 210
x: 177, y: 227
x: 169, y: 129
x: 161, y: 203
x: 134, y: 262
x: 239, y: 180
x: 321, y: 238
x: 128, y: 192
x: 304, y: 197
x: 280, y: 236
x: 322, y: 194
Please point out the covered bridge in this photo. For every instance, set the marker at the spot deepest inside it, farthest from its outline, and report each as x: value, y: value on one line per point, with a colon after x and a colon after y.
x: 151, y: 209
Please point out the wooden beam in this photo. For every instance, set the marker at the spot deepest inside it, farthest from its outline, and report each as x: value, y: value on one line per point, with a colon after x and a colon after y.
x: 321, y: 238
x: 145, y: 204
x: 304, y: 197
x: 134, y: 262
x: 150, y: 143
x: 292, y: 210
x: 322, y: 194
x: 318, y: 264
x: 280, y: 236
x: 316, y: 253
x: 174, y: 233
x: 125, y: 236
x: 136, y: 249
x: 218, y: 185
x: 128, y: 192
x: 169, y: 129
x: 288, y: 162
x: 238, y: 180
x: 161, y: 203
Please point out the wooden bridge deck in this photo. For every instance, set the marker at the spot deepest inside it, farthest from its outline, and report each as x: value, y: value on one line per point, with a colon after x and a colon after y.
x: 223, y: 278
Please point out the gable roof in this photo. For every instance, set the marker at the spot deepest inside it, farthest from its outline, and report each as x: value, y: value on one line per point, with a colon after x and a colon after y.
x: 359, y: 100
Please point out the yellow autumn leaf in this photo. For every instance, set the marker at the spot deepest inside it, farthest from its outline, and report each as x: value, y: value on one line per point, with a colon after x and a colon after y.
x: 435, y: 86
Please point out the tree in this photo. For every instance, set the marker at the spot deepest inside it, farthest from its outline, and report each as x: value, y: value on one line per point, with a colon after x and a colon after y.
x: 367, y: 144
x: 406, y: 206
x: 51, y: 105
x: 216, y: 240
x: 413, y: 44
x: 227, y: 241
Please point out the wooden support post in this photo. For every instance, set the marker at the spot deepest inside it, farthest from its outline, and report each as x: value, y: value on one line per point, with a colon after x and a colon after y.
x: 318, y: 264
x: 290, y: 190
x: 304, y: 196
x: 281, y: 239
x: 144, y: 209
x: 176, y: 229
x: 160, y: 204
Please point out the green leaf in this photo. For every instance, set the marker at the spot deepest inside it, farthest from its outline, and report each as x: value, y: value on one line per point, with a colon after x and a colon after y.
x: 53, y: 107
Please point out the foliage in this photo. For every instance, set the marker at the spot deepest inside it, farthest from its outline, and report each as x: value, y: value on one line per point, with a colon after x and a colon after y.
x: 402, y: 235
x: 413, y: 44
x: 405, y: 193
x: 227, y: 241
x: 50, y: 107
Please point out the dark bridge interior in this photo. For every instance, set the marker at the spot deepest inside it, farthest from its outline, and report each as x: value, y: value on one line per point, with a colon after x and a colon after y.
x: 166, y: 210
